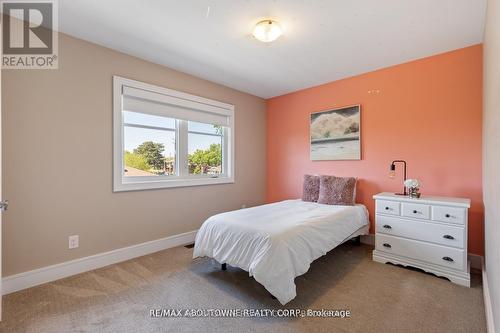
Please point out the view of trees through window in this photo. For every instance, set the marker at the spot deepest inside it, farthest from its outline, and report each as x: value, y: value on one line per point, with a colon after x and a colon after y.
x: 150, y: 158
x: 207, y: 161
x: 205, y: 148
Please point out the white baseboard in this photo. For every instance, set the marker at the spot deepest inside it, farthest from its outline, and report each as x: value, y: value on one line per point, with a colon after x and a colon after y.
x: 487, y: 302
x: 42, y: 275
x: 368, y: 239
x: 476, y: 261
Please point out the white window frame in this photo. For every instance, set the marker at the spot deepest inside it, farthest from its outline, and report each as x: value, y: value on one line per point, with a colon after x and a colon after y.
x: 182, y: 177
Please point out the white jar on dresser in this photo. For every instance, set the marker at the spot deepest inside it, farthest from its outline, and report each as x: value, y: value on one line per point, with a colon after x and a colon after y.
x: 429, y: 233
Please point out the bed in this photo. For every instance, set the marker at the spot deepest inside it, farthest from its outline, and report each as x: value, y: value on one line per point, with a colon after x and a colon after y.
x: 277, y: 242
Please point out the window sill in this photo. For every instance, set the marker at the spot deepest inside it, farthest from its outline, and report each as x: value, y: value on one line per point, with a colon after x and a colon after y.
x: 148, y: 185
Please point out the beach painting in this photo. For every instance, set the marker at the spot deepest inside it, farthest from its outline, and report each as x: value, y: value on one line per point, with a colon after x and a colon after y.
x: 336, y: 134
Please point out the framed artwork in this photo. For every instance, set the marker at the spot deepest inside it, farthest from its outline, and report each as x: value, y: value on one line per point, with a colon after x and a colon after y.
x: 336, y: 134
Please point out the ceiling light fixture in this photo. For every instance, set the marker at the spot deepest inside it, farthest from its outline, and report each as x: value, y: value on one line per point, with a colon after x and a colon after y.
x: 267, y: 31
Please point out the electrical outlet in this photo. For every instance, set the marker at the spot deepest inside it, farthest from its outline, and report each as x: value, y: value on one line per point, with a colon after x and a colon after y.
x: 73, y: 241
x: 243, y: 206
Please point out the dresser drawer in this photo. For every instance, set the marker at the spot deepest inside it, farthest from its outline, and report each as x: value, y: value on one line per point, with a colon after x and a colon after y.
x: 435, y: 254
x: 419, y: 230
x: 415, y: 210
x: 448, y: 214
x: 387, y: 207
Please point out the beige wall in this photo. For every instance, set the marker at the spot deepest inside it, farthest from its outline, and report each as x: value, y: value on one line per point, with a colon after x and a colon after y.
x: 58, y: 160
x: 491, y: 153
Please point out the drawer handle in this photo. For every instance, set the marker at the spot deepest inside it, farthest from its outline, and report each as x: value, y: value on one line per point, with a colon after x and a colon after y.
x: 448, y: 215
x: 448, y: 237
x: 387, y: 245
x: 415, y: 212
x: 387, y: 226
x: 387, y: 208
x: 447, y: 259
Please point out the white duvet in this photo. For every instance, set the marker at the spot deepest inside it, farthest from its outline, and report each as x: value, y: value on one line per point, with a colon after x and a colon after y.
x: 277, y: 242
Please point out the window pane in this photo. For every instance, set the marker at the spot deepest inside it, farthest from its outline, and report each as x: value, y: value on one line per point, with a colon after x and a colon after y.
x: 147, y: 120
x: 205, y: 154
x: 148, y: 152
x: 194, y: 126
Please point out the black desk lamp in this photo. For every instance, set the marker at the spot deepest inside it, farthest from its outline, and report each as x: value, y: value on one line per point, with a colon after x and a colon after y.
x: 392, y: 173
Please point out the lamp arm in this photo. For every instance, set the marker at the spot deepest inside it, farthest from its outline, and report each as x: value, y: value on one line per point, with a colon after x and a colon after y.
x: 404, y: 172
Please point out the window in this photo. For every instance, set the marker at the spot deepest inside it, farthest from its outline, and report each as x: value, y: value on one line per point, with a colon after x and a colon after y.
x: 165, y: 138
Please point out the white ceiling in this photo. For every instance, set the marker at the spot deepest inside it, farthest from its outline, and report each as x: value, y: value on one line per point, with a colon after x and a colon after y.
x: 324, y: 40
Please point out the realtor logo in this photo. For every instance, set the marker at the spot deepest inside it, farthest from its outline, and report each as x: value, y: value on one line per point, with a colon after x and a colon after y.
x: 29, y: 34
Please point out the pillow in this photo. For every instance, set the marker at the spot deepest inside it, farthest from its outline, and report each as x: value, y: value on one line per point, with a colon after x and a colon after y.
x: 337, y: 190
x: 310, y: 188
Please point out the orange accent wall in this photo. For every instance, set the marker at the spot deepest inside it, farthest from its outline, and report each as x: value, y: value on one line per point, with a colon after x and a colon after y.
x: 427, y: 112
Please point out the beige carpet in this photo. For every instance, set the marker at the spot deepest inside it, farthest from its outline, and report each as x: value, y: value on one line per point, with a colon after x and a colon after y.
x: 117, y: 298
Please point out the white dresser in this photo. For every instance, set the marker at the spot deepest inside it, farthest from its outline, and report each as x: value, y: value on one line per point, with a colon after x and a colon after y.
x: 429, y: 233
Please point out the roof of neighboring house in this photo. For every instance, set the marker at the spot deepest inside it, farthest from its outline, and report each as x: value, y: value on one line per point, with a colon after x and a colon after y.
x: 133, y: 172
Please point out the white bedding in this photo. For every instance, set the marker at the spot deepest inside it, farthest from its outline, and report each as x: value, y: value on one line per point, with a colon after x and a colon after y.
x: 277, y: 242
